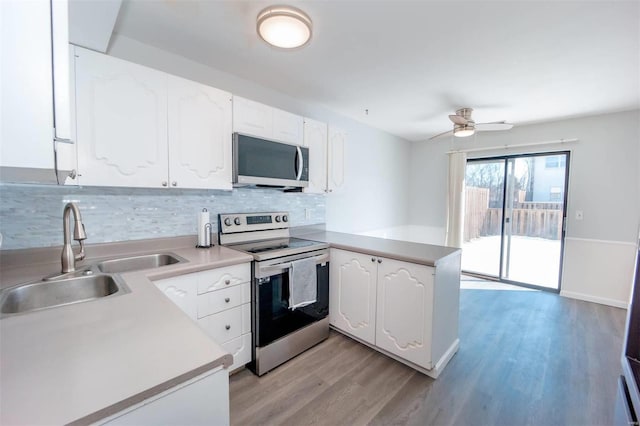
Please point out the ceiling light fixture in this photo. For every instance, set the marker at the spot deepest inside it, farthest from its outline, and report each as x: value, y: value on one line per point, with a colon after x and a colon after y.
x: 284, y: 26
x: 463, y: 130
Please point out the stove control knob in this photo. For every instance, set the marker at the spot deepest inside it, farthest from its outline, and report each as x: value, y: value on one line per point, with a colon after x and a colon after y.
x: 236, y: 221
x: 227, y: 221
x: 285, y: 218
x: 278, y: 219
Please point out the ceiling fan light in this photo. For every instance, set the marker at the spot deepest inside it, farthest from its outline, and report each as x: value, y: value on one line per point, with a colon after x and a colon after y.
x: 284, y: 27
x: 463, y: 130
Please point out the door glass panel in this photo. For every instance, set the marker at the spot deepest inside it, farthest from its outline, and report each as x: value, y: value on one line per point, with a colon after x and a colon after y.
x: 534, y: 209
x: 483, y: 217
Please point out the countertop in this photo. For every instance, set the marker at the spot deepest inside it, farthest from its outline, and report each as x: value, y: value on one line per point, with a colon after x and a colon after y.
x: 86, y: 361
x: 423, y: 254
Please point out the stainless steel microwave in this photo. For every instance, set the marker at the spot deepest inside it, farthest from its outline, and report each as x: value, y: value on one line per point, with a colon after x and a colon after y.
x: 258, y: 161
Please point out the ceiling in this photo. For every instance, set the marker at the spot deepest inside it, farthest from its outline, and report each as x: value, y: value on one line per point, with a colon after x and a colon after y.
x: 411, y: 63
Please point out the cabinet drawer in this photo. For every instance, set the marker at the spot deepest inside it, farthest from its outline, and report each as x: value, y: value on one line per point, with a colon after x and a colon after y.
x: 240, y: 348
x: 229, y: 324
x: 216, y: 279
x: 220, y: 300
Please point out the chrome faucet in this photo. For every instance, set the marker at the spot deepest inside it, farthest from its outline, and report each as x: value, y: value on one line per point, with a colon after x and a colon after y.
x: 69, y: 258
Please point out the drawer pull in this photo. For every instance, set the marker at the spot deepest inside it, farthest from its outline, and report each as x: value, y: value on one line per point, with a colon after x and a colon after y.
x: 373, y: 259
x: 227, y: 282
x: 227, y: 300
x: 227, y: 326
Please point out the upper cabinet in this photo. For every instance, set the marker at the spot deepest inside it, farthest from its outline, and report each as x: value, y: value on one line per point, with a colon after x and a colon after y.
x: 337, y: 149
x: 28, y: 31
x: 140, y: 127
x: 121, y: 113
x: 199, y: 135
x: 256, y: 119
x: 287, y: 127
x: 315, y: 138
x: 252, y: 118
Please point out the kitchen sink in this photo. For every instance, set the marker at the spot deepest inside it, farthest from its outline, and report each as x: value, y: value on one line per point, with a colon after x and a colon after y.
x: 47, y: 294
x: 135, y: 263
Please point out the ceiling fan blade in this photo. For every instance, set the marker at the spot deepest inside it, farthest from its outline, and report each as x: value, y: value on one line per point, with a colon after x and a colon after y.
x: 456, y: 119
x: 441, y: 134
x: 496, y: 125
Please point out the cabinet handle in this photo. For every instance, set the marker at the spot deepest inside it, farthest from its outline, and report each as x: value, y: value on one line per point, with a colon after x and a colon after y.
x: 227, y: 300
x: 227, y: 327
x: 227, y: 282
x: 373, y: 259
x: 174, y: 183
x: 164, y: 183
x: 379, y: 260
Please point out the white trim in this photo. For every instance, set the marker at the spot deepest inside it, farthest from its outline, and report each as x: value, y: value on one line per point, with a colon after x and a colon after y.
x: 524, y: 145
x: 595, y: 299
x: 591, y: 240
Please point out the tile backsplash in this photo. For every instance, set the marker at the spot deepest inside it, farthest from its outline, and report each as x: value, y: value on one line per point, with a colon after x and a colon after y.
x: 31, y: 215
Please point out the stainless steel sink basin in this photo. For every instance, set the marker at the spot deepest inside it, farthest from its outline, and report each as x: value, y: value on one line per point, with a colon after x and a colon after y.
x: 47, y: 294
x: 135, y: 263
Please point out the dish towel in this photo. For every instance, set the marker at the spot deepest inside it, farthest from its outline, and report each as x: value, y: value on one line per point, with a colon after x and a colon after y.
x: 303, y: 283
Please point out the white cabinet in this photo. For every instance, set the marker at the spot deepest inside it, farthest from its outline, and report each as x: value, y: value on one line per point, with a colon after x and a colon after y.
x: 203, y: 400
x: 27, y: 85
x: 337, y: 151
x: 252, y: 118
x: 406, y: 310
x: 256, y: 119
x: 287, y: 127
x: 315, y: 138
x: 139, y: 127
x: 352, y: 294
x: 121, y: 113
x: 199, y: 135
x: 219, y: 301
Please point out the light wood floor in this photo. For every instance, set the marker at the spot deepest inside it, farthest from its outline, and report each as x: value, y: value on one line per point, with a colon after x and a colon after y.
x: 525, y: 358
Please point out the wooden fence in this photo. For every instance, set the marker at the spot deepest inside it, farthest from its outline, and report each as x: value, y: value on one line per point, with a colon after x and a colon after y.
x: 531, y: 219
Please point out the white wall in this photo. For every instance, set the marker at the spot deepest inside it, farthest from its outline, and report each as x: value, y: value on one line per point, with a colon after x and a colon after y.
x: 604, y: 183
x: 375, y: 194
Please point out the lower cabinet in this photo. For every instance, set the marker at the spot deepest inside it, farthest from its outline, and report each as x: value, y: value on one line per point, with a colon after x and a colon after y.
x: 219, y: 301
x: 406, y: 310
x: 203, y: 400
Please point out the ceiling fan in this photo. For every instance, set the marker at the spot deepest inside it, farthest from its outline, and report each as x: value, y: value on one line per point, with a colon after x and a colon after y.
x: 463, y: 125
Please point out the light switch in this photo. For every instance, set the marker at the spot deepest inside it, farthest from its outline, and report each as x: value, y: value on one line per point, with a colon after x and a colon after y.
x: 579, y: 215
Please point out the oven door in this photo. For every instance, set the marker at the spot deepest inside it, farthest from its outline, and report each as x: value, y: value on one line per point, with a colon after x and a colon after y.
x: 272, y: 317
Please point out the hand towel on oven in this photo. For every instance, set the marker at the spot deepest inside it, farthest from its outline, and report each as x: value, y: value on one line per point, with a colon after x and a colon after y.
x: 303, y: 283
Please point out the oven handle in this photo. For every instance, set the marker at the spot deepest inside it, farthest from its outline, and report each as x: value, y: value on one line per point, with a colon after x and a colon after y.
x: 278, y: 268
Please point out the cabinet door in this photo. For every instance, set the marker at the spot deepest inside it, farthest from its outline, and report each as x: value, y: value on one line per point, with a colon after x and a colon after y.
x: 336, y: 161
x: 352, y: 294
x: 252, y: 118
x: 199, y: 135
x: 287, y: 127
x: 26, y: 111
x: 121, y: 113
x: 183, y: 291
x: 315, y: 138
x: 404, y: 311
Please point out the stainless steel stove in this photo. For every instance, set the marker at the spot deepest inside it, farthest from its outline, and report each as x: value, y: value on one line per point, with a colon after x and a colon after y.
x: 280, y: 331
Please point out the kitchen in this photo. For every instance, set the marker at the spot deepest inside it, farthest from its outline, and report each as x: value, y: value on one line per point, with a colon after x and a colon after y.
x: 125, y: 213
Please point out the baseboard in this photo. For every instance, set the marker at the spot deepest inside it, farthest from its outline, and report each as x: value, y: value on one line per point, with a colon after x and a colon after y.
x: 595, y: 299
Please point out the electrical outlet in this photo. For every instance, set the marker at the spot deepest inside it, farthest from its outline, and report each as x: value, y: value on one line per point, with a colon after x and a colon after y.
x: 307, y: 214
x: 579, y: 215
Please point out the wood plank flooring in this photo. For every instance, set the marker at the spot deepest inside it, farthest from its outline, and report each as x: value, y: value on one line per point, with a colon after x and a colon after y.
x: 525, y: 358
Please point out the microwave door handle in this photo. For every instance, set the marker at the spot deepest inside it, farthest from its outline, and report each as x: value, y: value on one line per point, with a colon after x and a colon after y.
x: 300, y: 162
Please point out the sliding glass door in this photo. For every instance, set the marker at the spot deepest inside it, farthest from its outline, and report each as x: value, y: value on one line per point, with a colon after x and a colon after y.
x: 514, y: 218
